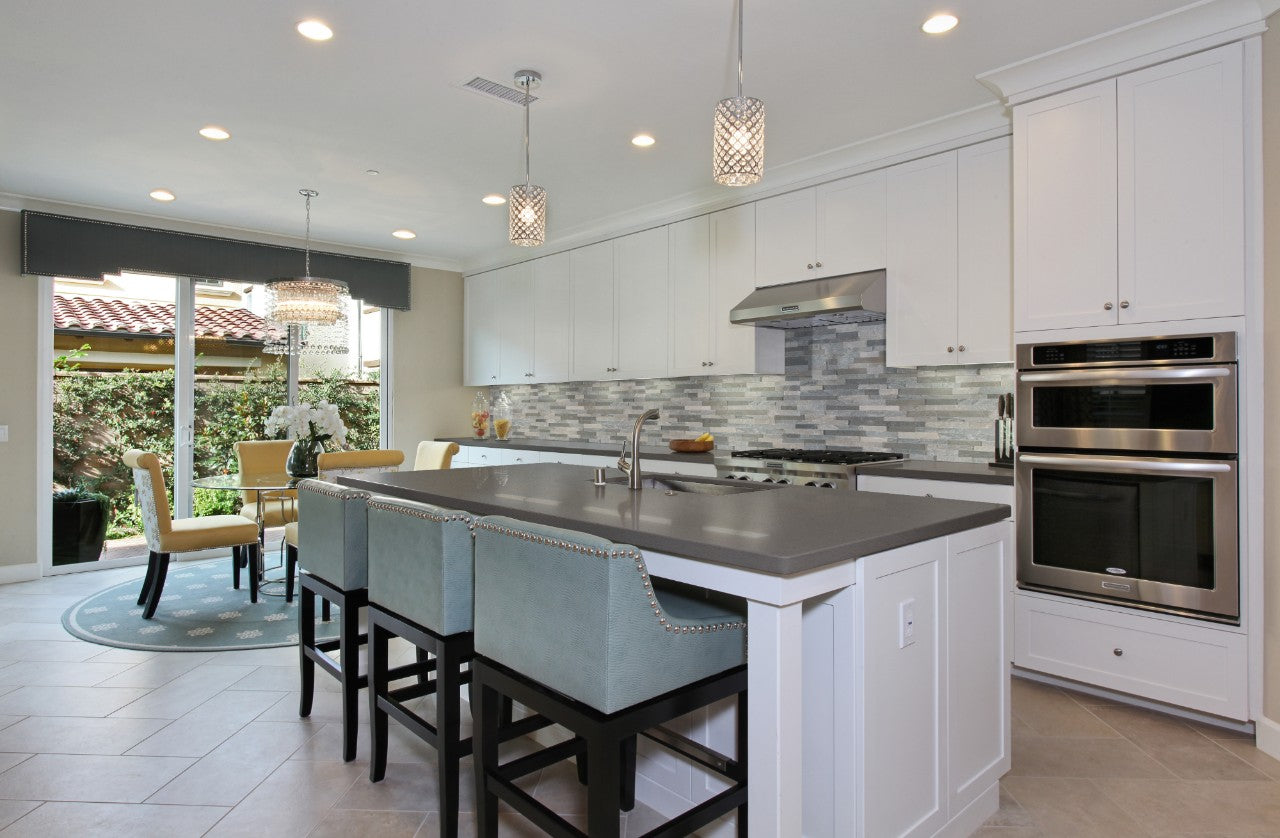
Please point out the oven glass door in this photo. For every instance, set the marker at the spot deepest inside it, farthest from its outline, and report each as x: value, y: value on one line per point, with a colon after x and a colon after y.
x: 1158, y: 531
x: 1174, y: 409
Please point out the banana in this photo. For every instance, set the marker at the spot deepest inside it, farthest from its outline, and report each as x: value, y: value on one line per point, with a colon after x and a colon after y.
x: 705, y: 437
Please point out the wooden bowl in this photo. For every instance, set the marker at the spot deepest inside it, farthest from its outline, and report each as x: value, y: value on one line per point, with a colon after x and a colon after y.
x: 691, y: 446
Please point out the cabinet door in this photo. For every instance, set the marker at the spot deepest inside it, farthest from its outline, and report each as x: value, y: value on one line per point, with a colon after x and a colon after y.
x: 515, y: 298
x: 738, y: 348
x: 550, y: 313
x: 850, y: 225
x: 1181, y: 188
x: 591, y: 299
x: 643, y: 285
x: 691, y: 313
x: 1064, y: 209
x: 921, y: 319
x: 784, y: 238
x: 480, y: 323
x: 984, y: 269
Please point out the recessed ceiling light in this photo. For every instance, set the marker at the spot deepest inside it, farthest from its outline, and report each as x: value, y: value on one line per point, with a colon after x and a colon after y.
x: 405, y: 234
x: 643, y: 140
x: 940, y: 23
x: 213, y: 132
x: 316, y: 30
x: 372, y: 172
x: 162, y: 195
x: 494, y: 200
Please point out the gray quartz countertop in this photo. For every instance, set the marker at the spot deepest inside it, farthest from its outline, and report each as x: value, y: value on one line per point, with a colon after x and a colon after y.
x: 781, y: 531
x: 569, y: 446
x: 941, y: 470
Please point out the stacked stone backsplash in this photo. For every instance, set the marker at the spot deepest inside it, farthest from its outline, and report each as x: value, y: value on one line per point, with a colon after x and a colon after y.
x: 836, y: 393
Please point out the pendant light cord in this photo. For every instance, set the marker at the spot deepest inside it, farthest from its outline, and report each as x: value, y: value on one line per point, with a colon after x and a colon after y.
x: 741, y: 3
x: 527, y: 81
x: 309, y: 194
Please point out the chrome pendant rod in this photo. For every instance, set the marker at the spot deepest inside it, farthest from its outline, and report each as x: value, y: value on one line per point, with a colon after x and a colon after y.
x: 741, y: 4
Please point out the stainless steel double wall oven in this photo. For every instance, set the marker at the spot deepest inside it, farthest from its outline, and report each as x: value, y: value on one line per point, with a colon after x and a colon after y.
x: 1127, y: 472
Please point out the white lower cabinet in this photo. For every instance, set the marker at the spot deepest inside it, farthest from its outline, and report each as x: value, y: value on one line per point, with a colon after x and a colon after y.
x: 904, y: 733
x: 1197, y: 666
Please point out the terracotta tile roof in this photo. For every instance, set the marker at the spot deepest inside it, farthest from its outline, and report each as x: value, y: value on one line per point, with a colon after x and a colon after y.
x: 139, y: 318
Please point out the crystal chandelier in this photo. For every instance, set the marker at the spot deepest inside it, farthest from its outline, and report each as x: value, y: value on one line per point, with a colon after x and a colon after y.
x: 528, y: 203
x: 737, y: 144
x: 306, y: 301
x: 296, y: 340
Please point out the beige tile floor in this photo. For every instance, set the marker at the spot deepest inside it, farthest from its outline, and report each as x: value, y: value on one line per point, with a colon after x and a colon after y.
x: 99, y: 741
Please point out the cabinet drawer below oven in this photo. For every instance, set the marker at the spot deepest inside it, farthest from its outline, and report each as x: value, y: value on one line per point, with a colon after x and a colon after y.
x: 1198, y: 667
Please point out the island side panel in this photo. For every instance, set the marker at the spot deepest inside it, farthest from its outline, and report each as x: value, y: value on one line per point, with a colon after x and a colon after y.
x: 774, y: 719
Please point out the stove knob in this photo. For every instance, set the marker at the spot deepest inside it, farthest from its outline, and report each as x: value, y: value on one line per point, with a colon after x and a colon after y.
x: 783, y: 480
x: 767, y: 480
x: 811, y: 483
x: 828, y: 485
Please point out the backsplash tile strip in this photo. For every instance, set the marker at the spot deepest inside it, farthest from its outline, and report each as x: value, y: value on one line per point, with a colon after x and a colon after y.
x: 836, y: 392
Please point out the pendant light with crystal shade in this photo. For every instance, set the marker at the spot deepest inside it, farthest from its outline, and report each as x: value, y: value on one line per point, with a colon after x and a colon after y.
x: 306, y: 300
x: 528, y: 203
x: 738, y: 140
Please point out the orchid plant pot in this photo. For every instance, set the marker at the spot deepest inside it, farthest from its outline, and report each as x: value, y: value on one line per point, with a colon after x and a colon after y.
x: 303, y: 457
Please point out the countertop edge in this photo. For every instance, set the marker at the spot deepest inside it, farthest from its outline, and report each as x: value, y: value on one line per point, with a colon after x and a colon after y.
x: 940, y: 470
x: 566, y: 446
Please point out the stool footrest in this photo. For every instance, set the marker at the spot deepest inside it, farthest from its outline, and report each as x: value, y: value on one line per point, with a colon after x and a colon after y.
x: 699, y: 816
x: 695, y: 751
x: 528, y: 805
x: 538, y: 760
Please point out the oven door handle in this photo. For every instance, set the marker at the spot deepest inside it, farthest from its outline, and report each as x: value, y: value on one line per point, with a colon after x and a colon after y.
x: 1123, y: 465
x: 1127, y: 375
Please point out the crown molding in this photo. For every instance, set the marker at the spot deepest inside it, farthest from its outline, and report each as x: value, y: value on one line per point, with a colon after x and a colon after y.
x: 974, y: 125
x: 16, y: 203
x: 1192, y: 28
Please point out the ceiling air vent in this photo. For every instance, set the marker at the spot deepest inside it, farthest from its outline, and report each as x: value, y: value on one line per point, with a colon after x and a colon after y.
x: 498, y: 91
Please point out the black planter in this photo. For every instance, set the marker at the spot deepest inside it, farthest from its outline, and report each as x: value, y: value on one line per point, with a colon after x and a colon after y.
x: 79, y: 528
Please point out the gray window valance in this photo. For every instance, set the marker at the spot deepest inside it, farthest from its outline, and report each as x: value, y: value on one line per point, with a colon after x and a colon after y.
x: 61, y: 245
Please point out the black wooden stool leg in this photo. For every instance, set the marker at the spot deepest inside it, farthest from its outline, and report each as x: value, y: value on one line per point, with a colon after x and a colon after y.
x: 484, y: 743
x: 324, y: 610
x: 157, y: 585
x: 742, y: 758
x: 628, y: 791
x: 604, y: 792
x: 235, y: 566
x: 349, y: 661
x: 423, y: 657
x: 379, y: 682
x: 306, y: 641
x: 290, y: 570
x: 152, y: 561
x: 448, y: 723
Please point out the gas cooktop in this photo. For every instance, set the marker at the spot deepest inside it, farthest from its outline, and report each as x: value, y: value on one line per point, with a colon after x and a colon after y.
x: 825, y: 456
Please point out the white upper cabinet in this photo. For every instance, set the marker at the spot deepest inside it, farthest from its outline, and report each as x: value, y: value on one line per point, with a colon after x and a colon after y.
x: 1181, y: 188
x: 517, y: 335
x: 836, y: 228
x: 1128, y: 197
x: 984, y: 268
x: 591, y: 291
x: 482, y: 350
x: 549, y: 277
x: 921, y: 316
x: 692, y: 338
x: 643, y: 286
x: 950, y: 259
x: 1064, y: 206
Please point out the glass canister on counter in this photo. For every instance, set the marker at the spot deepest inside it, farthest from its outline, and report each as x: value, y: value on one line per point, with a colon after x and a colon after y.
x: 503, y: 413
x: 480, y: 416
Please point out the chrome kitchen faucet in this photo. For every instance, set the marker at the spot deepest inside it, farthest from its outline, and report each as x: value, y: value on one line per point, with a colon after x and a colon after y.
x: 632, y: 469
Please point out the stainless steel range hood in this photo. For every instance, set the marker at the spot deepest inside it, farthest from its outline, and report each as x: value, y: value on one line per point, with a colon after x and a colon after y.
x: 851, y: 298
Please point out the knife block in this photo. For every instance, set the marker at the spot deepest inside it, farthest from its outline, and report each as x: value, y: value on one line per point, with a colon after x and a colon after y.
x: 1003, y: 443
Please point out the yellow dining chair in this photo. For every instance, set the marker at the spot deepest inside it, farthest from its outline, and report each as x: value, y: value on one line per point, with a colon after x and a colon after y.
x: 165, y: 535
x: 385, y: 459
x: 266, y: 456
x: 433, y: 454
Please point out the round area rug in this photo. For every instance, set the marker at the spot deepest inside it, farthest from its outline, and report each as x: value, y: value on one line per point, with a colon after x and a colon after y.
x: 199, y: 611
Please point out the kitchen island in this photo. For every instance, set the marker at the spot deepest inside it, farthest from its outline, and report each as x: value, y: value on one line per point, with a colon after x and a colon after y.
x: 878, y: 659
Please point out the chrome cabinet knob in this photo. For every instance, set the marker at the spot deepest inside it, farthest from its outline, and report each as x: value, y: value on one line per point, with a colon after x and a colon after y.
x: 1118, y: 652
x: 951, y: 349
x: 962, y: 347
x: 817, y: 264
x: 704, y: 363
x: 809, y: 267
x: 1124, y: 304
x: 711, y: 363
x: 1106, y: 306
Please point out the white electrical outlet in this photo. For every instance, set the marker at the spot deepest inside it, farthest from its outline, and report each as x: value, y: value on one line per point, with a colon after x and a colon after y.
x: 906, y: 623
x: 4, y: 433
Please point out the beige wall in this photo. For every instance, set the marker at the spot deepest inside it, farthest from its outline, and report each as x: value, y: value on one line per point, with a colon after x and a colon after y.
x: 1271, y: 338
x: 19, y: 322
x: 428, y: 399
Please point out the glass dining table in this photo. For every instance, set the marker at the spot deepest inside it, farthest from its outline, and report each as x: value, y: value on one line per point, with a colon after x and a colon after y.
x: 270, y: 487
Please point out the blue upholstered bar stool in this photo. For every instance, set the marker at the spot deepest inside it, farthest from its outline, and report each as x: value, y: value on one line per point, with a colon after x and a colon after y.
x: 570, y: 625
x: 332, y: 547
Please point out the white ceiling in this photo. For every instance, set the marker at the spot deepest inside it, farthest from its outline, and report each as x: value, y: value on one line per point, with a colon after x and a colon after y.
x: 101, y: 102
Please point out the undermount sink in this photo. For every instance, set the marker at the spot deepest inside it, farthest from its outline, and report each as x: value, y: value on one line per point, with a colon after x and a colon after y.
x: 692, y: 485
